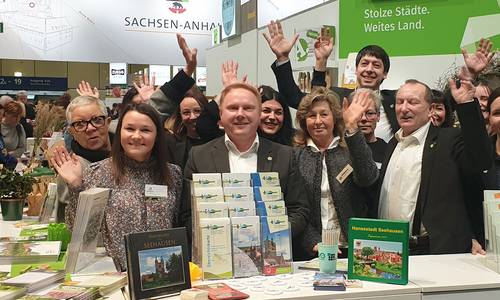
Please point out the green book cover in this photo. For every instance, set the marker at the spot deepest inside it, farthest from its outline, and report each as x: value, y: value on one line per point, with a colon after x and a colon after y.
x: 378, y: 250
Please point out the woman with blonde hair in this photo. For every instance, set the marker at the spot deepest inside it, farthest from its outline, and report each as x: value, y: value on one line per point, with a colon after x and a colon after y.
x: 335, y: 162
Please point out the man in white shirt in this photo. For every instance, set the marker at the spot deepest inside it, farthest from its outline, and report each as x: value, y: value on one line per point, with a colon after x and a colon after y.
x: 422, y: 177
x: 241, y: 150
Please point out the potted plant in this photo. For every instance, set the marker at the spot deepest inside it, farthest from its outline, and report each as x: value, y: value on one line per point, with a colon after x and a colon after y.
x: 14, y: 188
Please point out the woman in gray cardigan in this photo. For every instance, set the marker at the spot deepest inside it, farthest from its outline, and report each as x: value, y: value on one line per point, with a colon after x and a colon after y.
x: 335, y: 162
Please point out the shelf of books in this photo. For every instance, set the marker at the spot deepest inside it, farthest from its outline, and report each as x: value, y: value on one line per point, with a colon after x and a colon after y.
x: 240, y: 225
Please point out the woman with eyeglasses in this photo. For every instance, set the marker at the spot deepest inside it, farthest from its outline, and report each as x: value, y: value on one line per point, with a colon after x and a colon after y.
x: 138, y: 157
x: 335, y: 162
x: 181, y: 126
x: 12, y: 131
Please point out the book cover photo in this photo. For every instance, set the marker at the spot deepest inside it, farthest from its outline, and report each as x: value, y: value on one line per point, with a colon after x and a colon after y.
x: 157, y: 263
x: 378, y: 250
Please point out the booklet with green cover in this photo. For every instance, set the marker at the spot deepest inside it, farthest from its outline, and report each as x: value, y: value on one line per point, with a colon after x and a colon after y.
x: 378, y: 250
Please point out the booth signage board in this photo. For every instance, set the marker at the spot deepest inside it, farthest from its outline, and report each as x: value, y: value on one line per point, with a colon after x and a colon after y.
x: 33, y: 83
x: 417, y: 27
x: 142, y: 32
x: 118, y: 73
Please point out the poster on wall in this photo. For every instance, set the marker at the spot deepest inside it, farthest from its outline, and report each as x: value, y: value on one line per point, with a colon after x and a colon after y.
x: 118, y: 73
x: 415, y: 27
x: 100, y: 31
x: 268, y: 10
x: 305, y: 45
x: 161, y: 73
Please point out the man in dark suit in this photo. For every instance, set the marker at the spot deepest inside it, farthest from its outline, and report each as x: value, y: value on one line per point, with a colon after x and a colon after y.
x: 372, y: 67
x: 241, y: 150
x: 425, y: 166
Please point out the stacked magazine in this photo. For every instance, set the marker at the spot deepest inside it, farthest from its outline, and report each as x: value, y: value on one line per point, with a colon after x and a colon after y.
x: 28, y: 252
x: 105, y: 283
x: 87, y: 227
x: 11, y: 292
x: 35, y: 280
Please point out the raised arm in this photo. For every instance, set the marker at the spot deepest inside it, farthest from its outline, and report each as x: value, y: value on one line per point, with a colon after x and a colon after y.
x: 282, y: 68
x: 480, y: 59
x: 171, y: 93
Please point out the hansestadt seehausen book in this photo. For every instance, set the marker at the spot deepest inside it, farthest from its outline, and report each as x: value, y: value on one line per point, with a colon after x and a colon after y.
x: 378, y: 250
x: 157, y: 263
x: 87, y: 227
x: 216, y: 248
x: 247, y: 251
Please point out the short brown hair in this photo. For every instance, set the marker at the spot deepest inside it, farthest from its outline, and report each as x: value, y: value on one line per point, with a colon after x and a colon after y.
x: 321, y: 94
x: 239, y: 85
x: 13, y: 108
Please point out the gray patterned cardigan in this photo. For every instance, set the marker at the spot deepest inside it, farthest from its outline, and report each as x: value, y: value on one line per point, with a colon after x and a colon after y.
x: 347, y: 196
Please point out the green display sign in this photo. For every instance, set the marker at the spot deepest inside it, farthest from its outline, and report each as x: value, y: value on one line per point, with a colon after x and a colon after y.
x: 417, y: 27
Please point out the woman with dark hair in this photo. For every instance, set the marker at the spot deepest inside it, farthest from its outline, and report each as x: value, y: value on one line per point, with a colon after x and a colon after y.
x: 441, y: 111
x: 275, y: 120
x: 181, y: 126
x: 330, y: 143
x: 138, y: 157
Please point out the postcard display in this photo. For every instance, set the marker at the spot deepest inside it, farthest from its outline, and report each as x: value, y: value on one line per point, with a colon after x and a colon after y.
x: 491, y: 208
x: 240, y: 225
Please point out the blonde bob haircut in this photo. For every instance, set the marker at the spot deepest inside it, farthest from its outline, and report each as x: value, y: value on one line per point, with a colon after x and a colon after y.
x: 318, y: 95
x: 240, y: 85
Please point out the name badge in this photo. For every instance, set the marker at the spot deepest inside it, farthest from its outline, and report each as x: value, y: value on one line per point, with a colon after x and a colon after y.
x: 156, y: 191
x: 344, y: 173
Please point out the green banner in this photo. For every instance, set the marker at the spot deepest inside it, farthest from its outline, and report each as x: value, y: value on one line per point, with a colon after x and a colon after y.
x: 417, y: 27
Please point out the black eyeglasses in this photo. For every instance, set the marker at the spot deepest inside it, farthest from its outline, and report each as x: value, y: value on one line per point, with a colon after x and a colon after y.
x: 83, y: 124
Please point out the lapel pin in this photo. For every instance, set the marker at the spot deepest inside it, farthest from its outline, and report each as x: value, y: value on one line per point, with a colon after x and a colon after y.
x: 392, y: 105
x: 432, y: 145
x: 269, y: 158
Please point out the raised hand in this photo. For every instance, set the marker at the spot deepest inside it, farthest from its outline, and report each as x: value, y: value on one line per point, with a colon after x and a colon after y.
x: 189, y: 55
x: 352, y: 113
x: 146, y: 88
x: 230, y: 73
x: 463, y: 94
x: 84, y: 89
x: 67, y: 166
x: 478, y: 61
x: 477, y: 248
x: 322, y: 49
x: 280, y: 46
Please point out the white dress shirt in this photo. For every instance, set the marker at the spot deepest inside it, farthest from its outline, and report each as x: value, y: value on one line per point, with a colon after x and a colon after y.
x: 329, y: 218
x: 242, y: 162
x: 398, y: 196
x: 383, y: 129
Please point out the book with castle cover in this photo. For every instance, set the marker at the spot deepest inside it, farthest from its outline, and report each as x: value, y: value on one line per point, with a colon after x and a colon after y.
x: 378, y: 250
x: 276, y: 245
x: 247, y: 251
x: 157, y: 263
x: 216, y: 250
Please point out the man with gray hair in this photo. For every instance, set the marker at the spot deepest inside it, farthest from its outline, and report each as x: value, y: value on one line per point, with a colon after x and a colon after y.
x: 29, y: 113
x: 368, y: 123
x: 88, y: 123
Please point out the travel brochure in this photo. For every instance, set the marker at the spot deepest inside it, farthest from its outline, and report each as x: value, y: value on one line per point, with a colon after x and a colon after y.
x: 378, y: 250
x: 29, y: 251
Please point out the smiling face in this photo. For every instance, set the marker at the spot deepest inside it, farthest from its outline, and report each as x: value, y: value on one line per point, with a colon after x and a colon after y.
x: 137, y: 135
x: 438, y: 114
x: 190, y: 111
x: 370, y: 72
x: 369, y: 120
x: 412, y: 110
x: 240, y: 113
x: 481, y: 94
x: 271, y: 118
x: 91, y: 138
x: 320, y: 123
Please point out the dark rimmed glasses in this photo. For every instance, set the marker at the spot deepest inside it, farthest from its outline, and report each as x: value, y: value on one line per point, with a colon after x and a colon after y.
x: 82, y: 125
